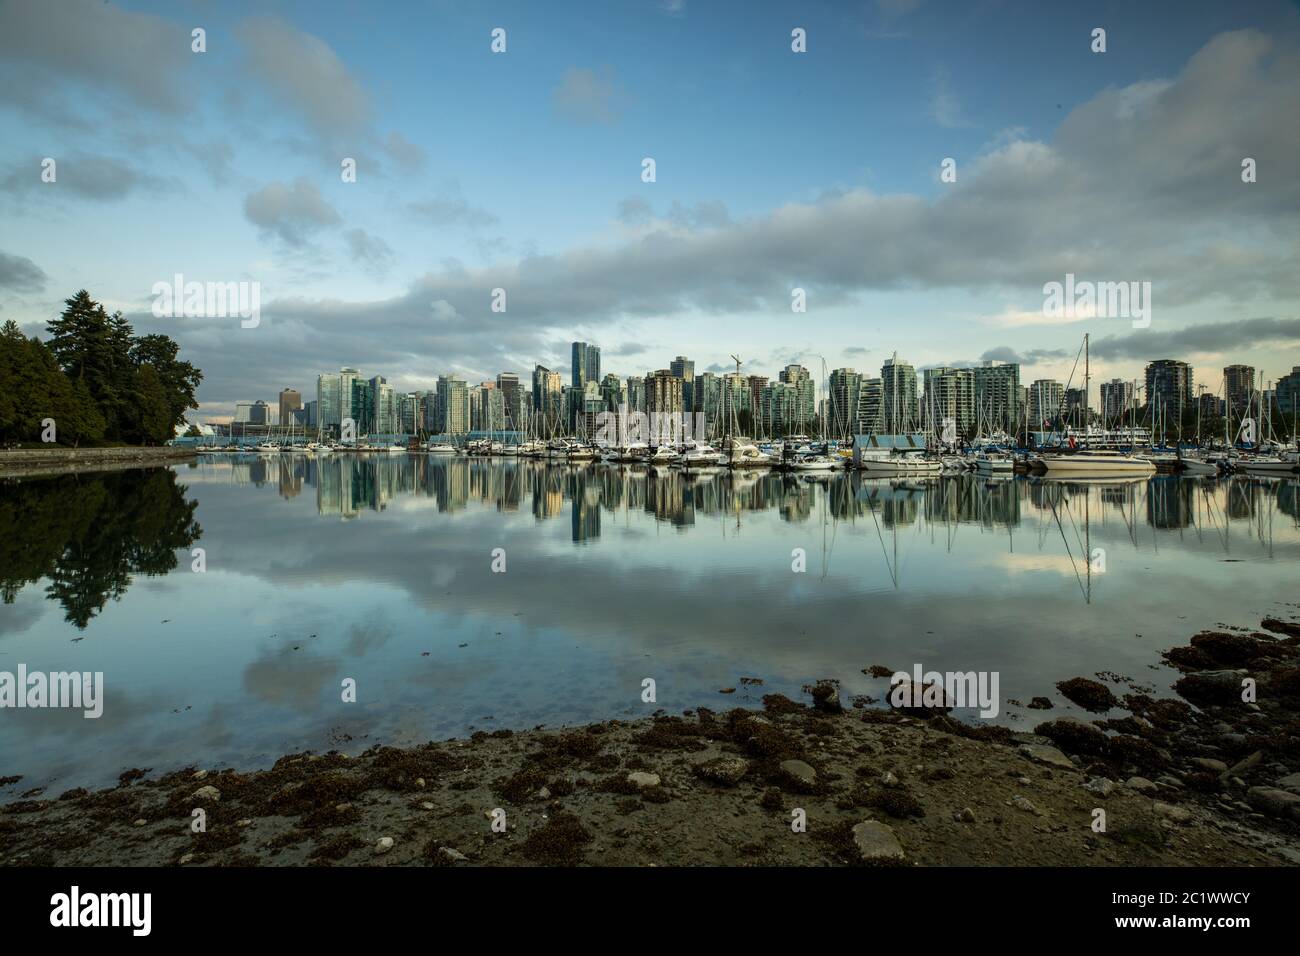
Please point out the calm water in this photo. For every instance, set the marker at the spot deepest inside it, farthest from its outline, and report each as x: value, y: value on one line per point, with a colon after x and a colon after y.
x: 381, y: 571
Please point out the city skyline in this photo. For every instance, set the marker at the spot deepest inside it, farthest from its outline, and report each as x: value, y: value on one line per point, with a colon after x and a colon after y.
x: 776, y: 171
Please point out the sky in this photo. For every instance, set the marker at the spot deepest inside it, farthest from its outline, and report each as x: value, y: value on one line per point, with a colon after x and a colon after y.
x: 774, y: 170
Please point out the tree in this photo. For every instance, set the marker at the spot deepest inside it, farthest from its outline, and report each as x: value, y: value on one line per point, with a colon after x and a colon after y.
x: 179, y: 379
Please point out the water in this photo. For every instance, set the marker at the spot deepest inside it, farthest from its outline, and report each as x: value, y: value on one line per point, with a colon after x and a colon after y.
x: 380, y: 570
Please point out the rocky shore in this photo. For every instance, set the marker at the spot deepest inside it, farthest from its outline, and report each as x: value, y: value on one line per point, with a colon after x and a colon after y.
x: 41, y: 461
x: 1206, y: 780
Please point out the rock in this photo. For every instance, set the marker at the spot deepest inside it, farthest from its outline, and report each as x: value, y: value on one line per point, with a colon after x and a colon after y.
x: 1088, y: 694
x: 544, y: 793
x: 1210, y: 764
x: 186, y: 858
x: 1211, y: 687
x: 1173, y: 783
x: 1045, y: 754
x: 207, y: 793
x: 1040, y: 703
x: 1290, y: 782
x: 1100, y: 786
x: 384, y: 845
x: 826, y: 697
x: 875, y: 842
x: 419, y: 782
x: 1075, y: 736
x: 452, y: 854
x: 1278, y: 803
x: 965, y: 815
x: 141, y: 822
x: 199, y: 775
x: 426, y: 805
x: 342, y: 807
x: 1246, y: 764
x: 920, y: 699
x: 246, y: 822
x: 1020, y: 803
x: 726, y: 770
x: 1172, y: 812
x: 1140, y: 784
x: 1024, y: 781
x: 887, y: 779
x: 642, y: 779
x: 800, y: 771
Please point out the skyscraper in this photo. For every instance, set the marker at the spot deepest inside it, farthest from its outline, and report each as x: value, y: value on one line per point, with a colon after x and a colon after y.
x: 290, y: 402
x: 1169, y: 387
x: 452, y: 406
x: 803, y: 415
x: 548, y: 393
x: 684, y: 369
x: 950, y: 393
x: 586, y: 364
x: 845, y: 397
x: 1238, y: 387
x: 511, y: 400
x: 999, y: 397
x: 1118, y: 400
x: 900, y: 411
x: 1046, y: 404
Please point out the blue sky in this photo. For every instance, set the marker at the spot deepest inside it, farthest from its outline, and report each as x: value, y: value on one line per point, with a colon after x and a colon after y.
x: 521, y: 170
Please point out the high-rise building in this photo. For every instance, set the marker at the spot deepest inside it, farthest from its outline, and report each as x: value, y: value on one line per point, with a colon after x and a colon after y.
x: 707, y: 393
x: 1169, y: 387
x: 512, y: 402
x: 1118, y: 402
x: 663, y: 393
x: 950, y: 393
x: 684, y: 369
x: 804, y: 416
x: 383, y: 405
x: 548, y: 395
x: 586, y: 364
x: 408, y: 413
x: 871, y: 402
x: 1046, y: 401
x: 1287, y: 392
x: 290, y: 402
x: 901, y: 412
x: 1239, y: 388
x: 452, y: 406
x: 252, y: 413
x: 999, y: 396
x: 845, y: 397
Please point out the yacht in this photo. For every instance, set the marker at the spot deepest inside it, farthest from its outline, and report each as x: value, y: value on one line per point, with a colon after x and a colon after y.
x: 441, y: 448
x: 743, y: 453
x: 883, y: 461
x: 1096, y: 463
x: 812, y: 463
x: 699, y: 455
x: 994, y: 463
x: 662, y: 455
x: 1287, y: 463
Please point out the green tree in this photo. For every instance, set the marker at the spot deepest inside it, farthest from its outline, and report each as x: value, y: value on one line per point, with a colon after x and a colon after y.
x: 179, y: 379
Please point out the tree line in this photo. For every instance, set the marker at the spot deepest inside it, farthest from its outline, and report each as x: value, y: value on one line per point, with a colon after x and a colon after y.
x: 98, y: 381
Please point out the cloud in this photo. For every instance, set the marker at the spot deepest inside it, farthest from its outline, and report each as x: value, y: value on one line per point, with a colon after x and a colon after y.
x: 369, y: 252
x: 588, y: 97
x: 289, y: 212
x: 136, y: 57
x: 86, y: 176
x: 1209, y: 337
x: 1004, y: 353
x: 450, y: 211
x: 944, y: 107
x: 673, y: 8
x: 20, y: 274
x: 304, y: 73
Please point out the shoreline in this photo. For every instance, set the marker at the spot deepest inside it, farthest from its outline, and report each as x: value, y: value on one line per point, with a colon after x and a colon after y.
x: 1215, y: 784
x: 59, y: 460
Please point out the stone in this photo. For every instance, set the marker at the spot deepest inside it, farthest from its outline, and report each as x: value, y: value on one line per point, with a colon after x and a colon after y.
x: 965, y: 815
x: 1140, y: 784
x: 1045, y: 754
x: 426, y: 805
x: 199, y: 775
x: 1172, y: 812
x: 1100, y: 786
x: 207, y: 793
x: 643, y: 780
x: 726, y: 770
x: 186, y: 858
x: 544, y: 793
x: 1210, y: 764
x: 887, y: 779
x: 826, y: 697
x: 384, y: 845
x: 419, y: 782
x: 875, y: 842
x: 1246, y: 764
x: 453, y: 854
x: 246, y: 822
x: 141, y: 822
x: 1290, y: 782
x: 1278, y: 803
x: 800, y: 771
x: 1020, y: 803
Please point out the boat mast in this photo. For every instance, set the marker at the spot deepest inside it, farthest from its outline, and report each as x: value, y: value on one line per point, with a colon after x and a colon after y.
x: 1087, y: 379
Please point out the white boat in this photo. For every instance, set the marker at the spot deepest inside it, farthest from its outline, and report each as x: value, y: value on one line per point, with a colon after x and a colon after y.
x: 994, y: 463
x: 395, y: 449
x: 1096, y: 463
x: 662, y: 455
x: 1196, y: 465
x: 266, y: 448
x: 1285, y: 464
x: 812, y: 464
x: 441, y: 448
x: 884, y: 462
x: 631, y: 452
x: 699, y: 455
x: 743, y: 453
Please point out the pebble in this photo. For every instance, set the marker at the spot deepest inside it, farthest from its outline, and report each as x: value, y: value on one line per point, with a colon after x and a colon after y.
x: 1210, y: 764
x: 453, y: 854
x: 246, y: 822
x: 199, y: 775
x: 207, y: 793
x: 1239, y: 768
x: 426, y: 805
x: 384, y: 845
x: 544, y: 793
x: 642, y: 779
x: 419, y: 782
x: 1290, y: 782
x: 965, y: 815
x: 186, y: 858
x: 1276, y: 802
x: 888, y: 779
x: 876, y: 842
x: 141, y: 822
x: 1020, y: 803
